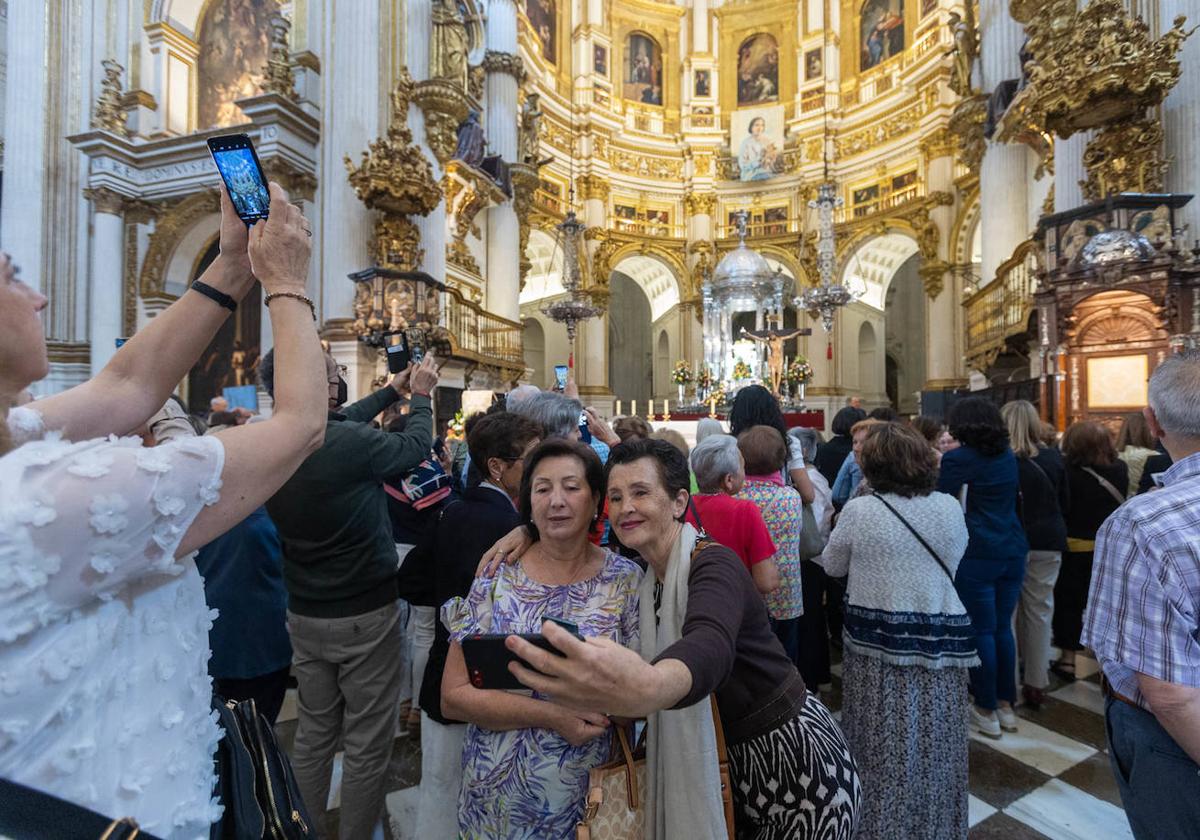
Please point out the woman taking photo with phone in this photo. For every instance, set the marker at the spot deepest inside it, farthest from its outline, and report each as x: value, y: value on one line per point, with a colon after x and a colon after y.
x: 103, y: 623
x: 526, y: 760
x: 706, y: 632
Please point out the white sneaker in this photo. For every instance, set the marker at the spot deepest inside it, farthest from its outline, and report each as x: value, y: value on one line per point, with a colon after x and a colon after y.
x: 1008, y: 718
x: 985, y: 724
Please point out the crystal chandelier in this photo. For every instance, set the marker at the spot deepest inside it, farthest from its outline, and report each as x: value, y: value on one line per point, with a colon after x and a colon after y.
x: 824, y: 300
x: 577, y: 305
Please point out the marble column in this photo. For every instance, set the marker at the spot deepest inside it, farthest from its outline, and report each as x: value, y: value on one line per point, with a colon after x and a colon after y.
x: 1004, y: 175
x: 591, y: 357
x: 945, y: 332
x: 433, y: 225
x: 106, y: 307
x: 503, y: 66
x: 1181, y: 118
x: 700, y: 26
x: 1069, y: 171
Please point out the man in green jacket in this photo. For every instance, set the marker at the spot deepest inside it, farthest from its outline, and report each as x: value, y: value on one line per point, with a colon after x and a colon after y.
x: 344, y: 614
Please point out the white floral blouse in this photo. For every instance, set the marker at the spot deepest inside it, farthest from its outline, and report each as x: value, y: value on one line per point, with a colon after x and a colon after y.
x: 104, y: 689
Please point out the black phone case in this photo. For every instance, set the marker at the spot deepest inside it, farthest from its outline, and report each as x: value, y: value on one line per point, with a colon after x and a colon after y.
x: 487, y: 659
x: 249, y: 144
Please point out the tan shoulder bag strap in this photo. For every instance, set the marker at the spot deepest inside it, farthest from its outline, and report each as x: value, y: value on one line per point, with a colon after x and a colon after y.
x: 1106, y: 484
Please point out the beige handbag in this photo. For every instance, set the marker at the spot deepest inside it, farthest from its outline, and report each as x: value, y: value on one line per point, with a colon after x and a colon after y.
x: 617, y: 791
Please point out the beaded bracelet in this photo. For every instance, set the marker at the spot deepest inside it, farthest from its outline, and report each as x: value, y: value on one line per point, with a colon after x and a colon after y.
x: 294, y: 296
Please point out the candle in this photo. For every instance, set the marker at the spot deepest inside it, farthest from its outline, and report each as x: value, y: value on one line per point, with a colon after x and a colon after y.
x: 618, y: 412
x: 633, y: 408
x: 666, y: 410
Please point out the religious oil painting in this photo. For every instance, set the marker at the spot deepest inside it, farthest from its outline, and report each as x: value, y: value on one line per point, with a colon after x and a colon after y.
x: 881, y: 31
x: 543, y: 17
x: 758, y: 70
x: 643, y: 69
x: 757, y: 134
x: 600, y: 60
x: 235, y: 44
x: 865, y: 195
x: 813, y: 65
x: 702, y: 83
x: 775, y: 220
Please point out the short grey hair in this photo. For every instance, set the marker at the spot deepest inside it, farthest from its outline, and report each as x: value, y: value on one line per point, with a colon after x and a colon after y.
x: 714, y: 458
x: 809, y: 440
x: 519, y: 394
x: 558, y: 415
x: 708, y: 426
x: 1175, y: 394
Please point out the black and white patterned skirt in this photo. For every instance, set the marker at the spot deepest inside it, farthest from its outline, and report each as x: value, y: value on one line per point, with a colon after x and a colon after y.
x: 797, y: 781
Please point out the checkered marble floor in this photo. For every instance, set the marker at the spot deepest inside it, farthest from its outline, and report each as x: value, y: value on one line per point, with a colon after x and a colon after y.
x: 1049, y: 780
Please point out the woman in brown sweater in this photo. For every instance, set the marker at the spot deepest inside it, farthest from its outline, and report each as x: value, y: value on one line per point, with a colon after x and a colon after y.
x: 792, y: 772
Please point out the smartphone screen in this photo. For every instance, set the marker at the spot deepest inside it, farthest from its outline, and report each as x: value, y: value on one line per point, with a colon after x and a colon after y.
x: 243, y: 176
x: 560, y: 377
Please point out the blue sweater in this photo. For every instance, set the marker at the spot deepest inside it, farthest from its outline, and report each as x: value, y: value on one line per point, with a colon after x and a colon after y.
x: 992, y: 486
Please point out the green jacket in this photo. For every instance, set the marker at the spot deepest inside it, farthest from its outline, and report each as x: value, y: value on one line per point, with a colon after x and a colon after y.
x: 332, y: 515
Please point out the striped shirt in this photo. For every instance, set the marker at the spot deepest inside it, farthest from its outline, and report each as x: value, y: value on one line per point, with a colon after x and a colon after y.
x: 1143, y: 613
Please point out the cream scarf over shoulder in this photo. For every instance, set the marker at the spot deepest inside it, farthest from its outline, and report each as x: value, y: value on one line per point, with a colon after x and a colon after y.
x: 683, y: 786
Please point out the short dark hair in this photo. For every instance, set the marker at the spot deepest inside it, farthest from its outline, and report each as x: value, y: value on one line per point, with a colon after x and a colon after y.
x: 559, y: 447
x: 762, y: 449
x: 1088, y: 444
x: 845, y: 419
x: 885, y: 413
x: 266, y: 372
x: 503, y: 435
x: 976, y: 422
x: 929, y: 428
x: 672, y: 466
x: 898, y: 459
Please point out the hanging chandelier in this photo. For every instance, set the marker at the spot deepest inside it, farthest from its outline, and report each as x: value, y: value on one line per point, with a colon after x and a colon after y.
x: 578, y: 305
x: 823, y: 301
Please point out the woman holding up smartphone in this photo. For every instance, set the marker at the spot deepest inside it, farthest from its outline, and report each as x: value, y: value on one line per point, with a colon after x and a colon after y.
x: 526, y: 760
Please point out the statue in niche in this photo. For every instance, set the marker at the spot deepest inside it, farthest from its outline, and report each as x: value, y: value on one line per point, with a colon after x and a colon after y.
x: 965, y: 51
x: 396, y: 321
x: 531, y: 121
x: 448, y: 56
x: 471, y: 141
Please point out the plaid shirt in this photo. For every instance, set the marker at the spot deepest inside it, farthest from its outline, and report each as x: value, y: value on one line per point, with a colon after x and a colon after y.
x: 1143, y: 613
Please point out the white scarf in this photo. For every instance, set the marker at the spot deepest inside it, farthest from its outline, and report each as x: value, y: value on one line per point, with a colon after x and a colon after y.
x: 683, y: 785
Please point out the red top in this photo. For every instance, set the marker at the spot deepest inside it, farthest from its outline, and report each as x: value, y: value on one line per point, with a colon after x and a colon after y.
x: 736, y: 524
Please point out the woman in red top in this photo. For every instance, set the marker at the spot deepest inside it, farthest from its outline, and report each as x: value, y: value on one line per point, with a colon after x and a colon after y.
x: 735, y: 523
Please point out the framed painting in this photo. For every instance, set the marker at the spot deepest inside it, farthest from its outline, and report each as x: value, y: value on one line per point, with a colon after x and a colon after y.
x: 758, y: 70
x: 881, y: 31
x: 643, y: 70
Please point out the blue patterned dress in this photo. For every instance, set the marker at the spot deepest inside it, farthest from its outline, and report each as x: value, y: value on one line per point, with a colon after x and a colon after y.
x: 530, y: 784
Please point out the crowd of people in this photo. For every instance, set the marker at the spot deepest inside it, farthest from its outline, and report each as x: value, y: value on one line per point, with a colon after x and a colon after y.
x: 692, y: 598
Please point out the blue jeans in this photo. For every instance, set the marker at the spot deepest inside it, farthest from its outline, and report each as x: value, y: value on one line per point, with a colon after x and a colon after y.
x: 989, y: 589
x: 1159, y: 783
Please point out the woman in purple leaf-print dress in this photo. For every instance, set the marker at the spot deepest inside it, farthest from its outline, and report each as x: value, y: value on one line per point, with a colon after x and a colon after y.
x: 526, y: 759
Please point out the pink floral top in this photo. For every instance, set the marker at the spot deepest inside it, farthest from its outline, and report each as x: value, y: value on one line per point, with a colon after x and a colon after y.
x: 783, y: 511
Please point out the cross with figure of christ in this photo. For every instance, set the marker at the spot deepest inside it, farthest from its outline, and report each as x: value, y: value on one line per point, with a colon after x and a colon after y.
x: 774, y: 339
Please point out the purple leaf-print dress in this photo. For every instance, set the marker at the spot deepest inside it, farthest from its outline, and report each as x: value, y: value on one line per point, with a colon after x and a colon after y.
x: 530, y: 784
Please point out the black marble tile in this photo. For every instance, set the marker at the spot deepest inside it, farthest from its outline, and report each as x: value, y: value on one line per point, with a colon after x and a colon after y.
x: 1094, y: 775
x: 1003, y: 827
x: 998, y: 779
x: 1070, y: 720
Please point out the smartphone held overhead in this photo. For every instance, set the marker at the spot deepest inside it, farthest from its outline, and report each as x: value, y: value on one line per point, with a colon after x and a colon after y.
x: 243, y: 175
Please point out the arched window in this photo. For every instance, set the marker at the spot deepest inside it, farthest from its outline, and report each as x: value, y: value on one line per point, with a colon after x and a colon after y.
x: 758, y: 70
x: 235, y: 42
x: 643, y: 69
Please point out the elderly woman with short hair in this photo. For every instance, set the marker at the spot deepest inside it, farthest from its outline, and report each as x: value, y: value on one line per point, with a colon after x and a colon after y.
x: 792, y: 774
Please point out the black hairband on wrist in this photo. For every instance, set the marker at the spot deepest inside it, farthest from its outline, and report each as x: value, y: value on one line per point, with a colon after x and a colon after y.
x: 220, y: 298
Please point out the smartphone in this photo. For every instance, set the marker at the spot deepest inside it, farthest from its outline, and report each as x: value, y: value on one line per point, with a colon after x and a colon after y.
x: 243, y: 175
x: 585, y: 434
x: 487, y: 658
x: 398, y: 355
x: 560, y: 377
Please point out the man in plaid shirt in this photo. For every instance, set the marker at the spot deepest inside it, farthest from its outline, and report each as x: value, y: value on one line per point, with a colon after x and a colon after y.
x: 1143, y: 621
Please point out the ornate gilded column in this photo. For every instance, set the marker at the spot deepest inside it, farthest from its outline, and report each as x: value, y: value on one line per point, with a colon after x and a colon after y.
x: 1181, y: 119
x: 591, y: 364
x: 700, y: 207
x: 106, y: 269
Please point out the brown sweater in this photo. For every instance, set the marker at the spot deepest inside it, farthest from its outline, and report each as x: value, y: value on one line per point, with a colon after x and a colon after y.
x: 729, y: 647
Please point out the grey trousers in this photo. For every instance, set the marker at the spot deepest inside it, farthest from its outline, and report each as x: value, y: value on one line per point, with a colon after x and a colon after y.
x: 1033, y: 615
x: 348, y: 670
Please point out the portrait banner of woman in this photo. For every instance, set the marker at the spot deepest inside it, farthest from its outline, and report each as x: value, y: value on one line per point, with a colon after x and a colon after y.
x: 757, y: 134
x: 758, y: 70
x: 643, y: 69
x: 881, y: 29
x: 543, y: 17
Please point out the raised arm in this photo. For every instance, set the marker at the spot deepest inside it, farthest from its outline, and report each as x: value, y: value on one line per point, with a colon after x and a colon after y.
x: 260, y: 457
x: 148, y: 368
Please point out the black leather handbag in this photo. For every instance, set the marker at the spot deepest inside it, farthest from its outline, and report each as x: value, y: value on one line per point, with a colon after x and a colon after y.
x: 28, y: 814
x: 255, y: 780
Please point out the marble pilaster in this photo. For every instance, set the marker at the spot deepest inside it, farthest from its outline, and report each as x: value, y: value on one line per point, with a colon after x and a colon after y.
x: 503, y: 273
x: 1181, y: 118
x: 106, y: 309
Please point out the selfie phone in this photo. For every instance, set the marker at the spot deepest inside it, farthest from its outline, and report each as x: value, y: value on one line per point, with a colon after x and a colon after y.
x: 398, y: 355
x: 560, y: 377
x: 243, y: 175
x: 487, y: 658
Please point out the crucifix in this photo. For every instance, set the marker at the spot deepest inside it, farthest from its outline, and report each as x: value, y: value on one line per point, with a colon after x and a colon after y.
x: 773, y: 338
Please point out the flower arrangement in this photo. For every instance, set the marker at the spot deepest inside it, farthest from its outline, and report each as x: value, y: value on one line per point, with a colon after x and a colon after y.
x: 718, y: 394
x: 704, y: 379
x: 456, y: 427
x: 799, y: 371
x: 682, y: 373
x: 741, y: 370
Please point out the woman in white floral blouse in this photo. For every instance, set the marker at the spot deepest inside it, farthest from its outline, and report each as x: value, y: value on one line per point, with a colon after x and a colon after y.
x: 104, y: 693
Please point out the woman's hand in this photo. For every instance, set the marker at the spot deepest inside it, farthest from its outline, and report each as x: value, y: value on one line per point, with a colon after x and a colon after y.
x: 598, y: 674
x: 577, y: 728
x: 509, y: 549
x: 235, y: 239
x: 280, y: 247
x: 599, y: 429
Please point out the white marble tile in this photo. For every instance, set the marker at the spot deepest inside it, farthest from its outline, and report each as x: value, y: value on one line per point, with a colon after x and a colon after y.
x: 288, y: 710
x: 977, y: 811
x: 1086, y: 695
x: 1039, y: 747
x: 402, y: 812
x: 335, y: 783
x: 1064, y: 812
